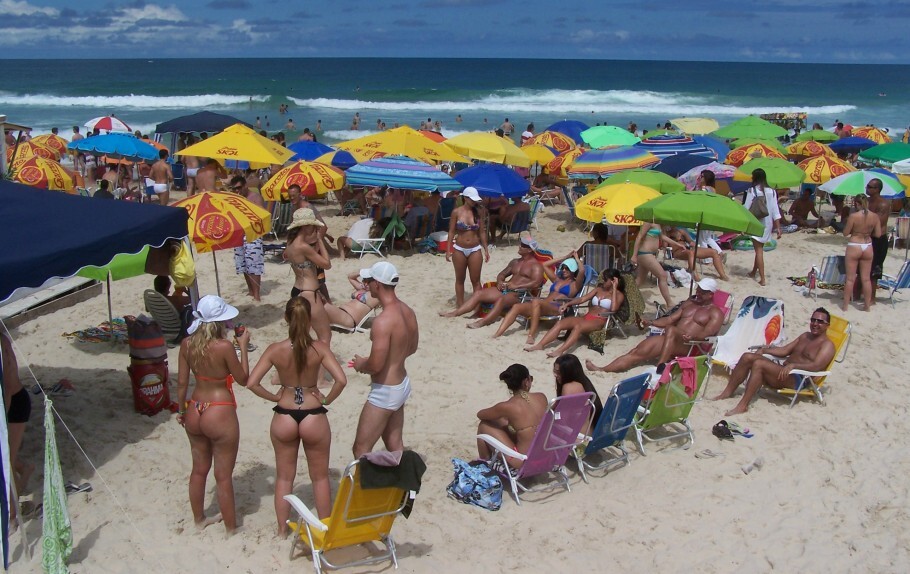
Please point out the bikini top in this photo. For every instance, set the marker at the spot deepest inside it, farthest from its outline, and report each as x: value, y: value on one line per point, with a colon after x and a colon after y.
x: 462, y: 226
x: 564, y: 290
x: 509, y: 427
x: 653, y: 232
x: 603, y: 303
x: 360, y: 295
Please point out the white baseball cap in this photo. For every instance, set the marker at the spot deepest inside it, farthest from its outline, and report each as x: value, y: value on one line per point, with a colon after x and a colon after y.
x: 381, y: 271
x: 471, y: 193
x: 707, y: 284
x: 211, y: 309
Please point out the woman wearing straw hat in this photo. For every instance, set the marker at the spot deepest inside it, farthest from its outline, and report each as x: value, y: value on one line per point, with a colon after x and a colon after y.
x: 468, y: 236
x: 309, y: 258
x: 210, y: 416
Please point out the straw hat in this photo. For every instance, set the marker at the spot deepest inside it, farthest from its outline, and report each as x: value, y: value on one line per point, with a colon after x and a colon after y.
x: 304, y: 216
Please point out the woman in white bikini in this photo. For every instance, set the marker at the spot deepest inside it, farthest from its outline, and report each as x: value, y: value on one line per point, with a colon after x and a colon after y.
x: 644, y: 254
x: 308, y: 256
x: 300, y: 415
x: 861, y: 227
x: 467, y: 236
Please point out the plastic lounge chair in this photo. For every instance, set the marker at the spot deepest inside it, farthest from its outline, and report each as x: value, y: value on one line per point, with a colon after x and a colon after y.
x: 358, y: 516
x: 599, y: 257
x: 521, y: 221
x: 282, y: 213
x: 759, y: 321
x: 724, y: 301
x: 895, y: 284
x: 165, y: 314
x: 810, y: 382
x: 364, y: 246
x: 669, y: 408
x: 614, y: 423
x: 557, y: 435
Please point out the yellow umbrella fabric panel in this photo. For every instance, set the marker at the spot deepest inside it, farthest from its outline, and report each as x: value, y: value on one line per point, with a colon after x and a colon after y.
x: 44, y: 173
x: 313, y: 179
x: 614, y: 204
x: 241, y: 143
x: 222, y: 220
x: 402, y: 140
x: 822, y: 169
x: 486, y: 146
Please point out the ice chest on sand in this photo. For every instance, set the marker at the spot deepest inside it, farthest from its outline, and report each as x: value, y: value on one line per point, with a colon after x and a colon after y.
x: 442, y: 240
x: 148, y: 368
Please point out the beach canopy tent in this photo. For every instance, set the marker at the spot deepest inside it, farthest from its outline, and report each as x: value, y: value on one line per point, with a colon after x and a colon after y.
x: 53, y: 235
x: 199, y: 122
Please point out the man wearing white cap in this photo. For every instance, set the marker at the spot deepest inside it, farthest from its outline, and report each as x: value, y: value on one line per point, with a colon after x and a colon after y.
x: 394, y: 337
x: 696, y: 319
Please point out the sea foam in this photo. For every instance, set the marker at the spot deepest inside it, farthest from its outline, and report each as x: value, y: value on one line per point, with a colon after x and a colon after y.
x: 133, y: 101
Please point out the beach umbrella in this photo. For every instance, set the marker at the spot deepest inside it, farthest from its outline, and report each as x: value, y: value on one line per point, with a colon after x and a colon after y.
x: 37, y: 171
x: 887, y: 191
x: 116, y: 146
x: 238, y: 142
x: 52, y: 141
x: 750, y: 127
x: 854, y: 183
x: 614, y: 204
x: 660, y: 132
x: 601, y: 136
x: 401, y: 172
x: 741, y: 155
x: 308, y: 150
x: 494, y: 180
x: 538, y: 153
x: 337, y: 158
x: 667, y: 145
x: 556, y: 140
x: 781, y: 173
x: 851, y: 145
x: 313, y: 178
x: 698, y: 126
x: 873, y: 133
x: 122, y: 266
x: 771, y: 143
x: 676, y: 165
x: 199, y: 122
x: 25, y: 150
x: 886, y: 153
x: 402, y: 140
x: 809, y: 148
x: 571, y: 128
x: 108, y: 123
x: 486, y: 146
x: 720, y: 147
x: 656, y: 180
x: 222, y: 220
x: 605, y: 161
x: 901, y: 167
x: 817, y: 135
x: 56, y: 530
x: 435, y: 136
x: 720, y: 171
x: 823, y: 168
x: 561, y: 163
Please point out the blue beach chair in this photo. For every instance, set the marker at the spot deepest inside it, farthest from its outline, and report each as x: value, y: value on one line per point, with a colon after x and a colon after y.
x: 895, y: 284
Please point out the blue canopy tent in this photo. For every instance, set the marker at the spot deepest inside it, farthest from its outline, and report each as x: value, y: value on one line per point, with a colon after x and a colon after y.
x: 199, y: 122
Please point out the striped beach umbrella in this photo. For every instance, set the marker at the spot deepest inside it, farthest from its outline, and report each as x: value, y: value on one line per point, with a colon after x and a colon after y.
x: 824, y: 168
x: 604, y: 161
x: 556, y: 140
x: 854, y: 183
x: 741, y: 155
x: 401, y: 173
x: 873, y: 133
x: 108, y: 123
x: 665, y: 146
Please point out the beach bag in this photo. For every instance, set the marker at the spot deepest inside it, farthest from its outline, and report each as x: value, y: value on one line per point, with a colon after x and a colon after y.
x: 598, y: 340
x: 182, y: 267
x: 476, y: 483
x: 759, y: 205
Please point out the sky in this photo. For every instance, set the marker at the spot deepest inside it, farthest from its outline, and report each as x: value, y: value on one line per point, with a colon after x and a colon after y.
x: 833, y: 31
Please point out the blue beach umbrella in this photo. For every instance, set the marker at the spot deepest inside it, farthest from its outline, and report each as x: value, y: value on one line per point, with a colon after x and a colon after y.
x: 116, y: 146
x: 665, y: 146
x: 851, y: 145
x: 494, y: 180
x: 571, y: 128
x: 337, y: 158
x: 308, y: 150
x: 718, y: 145
x: 676, y: 165
x: 401, y: 172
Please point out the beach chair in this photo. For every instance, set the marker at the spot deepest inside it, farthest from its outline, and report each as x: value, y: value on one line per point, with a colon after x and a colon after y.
x: 520, y: 221
x: 895, y: 283
x: 359, y: 516
x: 901, y: 232
x: 811, y: 382
x: 165, y: 314
x: 558, y: 433
x: 282, y: 214
x: 669, y: 406
x: 358, y: 328
x: 611, y: 428
x: 536, y: 206
x: 832, y: 273
x: 364, y: 246
x: 759, y: 321
x: 724, y: 301
x: 599, y: 256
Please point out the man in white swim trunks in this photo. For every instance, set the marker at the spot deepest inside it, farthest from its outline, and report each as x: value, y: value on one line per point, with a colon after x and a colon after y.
x: 394, y: 338
x: 163, y: 177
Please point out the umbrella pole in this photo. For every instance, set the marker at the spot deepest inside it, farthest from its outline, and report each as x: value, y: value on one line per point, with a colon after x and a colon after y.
x: 217, y: 280
x: 110, y: 313
x: 694, y: 259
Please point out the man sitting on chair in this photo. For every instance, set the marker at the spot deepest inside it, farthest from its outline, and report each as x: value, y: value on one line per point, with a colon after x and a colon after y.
x: 810, y: 351
x: 696, y: 319
x: 521, y: 276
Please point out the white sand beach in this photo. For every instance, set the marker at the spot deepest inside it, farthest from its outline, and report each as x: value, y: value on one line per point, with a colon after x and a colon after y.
x: 832, y: 495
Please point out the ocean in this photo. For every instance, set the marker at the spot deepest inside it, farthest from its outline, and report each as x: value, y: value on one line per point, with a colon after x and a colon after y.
x: 46, y: 93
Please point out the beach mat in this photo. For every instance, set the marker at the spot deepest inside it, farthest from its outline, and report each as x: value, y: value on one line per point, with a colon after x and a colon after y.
x: 102, y: 333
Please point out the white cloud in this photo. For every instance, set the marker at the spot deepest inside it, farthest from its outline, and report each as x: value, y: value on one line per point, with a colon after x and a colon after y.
x: 14, y: 8
x: 586, y: 35
x: 243, y: 27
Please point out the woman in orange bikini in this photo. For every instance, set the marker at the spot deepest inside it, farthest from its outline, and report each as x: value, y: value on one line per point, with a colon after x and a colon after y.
x: 513, y: 421
x: 300, y: 415
x: 210, y: 416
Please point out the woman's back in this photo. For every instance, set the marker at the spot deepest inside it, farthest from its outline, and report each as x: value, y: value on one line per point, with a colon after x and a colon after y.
x: 210, y: 370
x: 862, y: 224
x: 524, y: 414
x: 297, y: 385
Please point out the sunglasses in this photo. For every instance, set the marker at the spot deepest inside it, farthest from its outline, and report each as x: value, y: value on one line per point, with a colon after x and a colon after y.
x: 818, y: 321
x: 237, y: 188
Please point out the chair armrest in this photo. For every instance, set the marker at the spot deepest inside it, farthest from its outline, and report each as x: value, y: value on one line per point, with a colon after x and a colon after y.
x: 495, y: 443
x: 810, y: 373
x: 305, y: 512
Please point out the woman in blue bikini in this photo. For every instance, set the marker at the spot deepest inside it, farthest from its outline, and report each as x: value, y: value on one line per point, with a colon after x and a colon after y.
x: 467, y: 236
x: 644, y: 254
x: 300, y: 415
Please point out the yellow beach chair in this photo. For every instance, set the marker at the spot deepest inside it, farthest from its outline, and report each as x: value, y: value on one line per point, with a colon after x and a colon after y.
x: 839, y: 331
x: 358, y: 516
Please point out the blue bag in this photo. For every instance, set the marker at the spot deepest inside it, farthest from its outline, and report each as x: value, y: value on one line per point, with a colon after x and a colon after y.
x: 476, y: 483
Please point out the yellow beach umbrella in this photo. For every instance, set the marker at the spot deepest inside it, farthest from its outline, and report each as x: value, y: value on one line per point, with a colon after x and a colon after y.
x: 873, y: 133
x: 402, y: 140
x: 823, y: 168
x: 809, y: 148
x: 313, y: 178
x: 53, y: 141
x: 241, y: 143
x: 696, y: 126
x: 744, y: 153
x: 614, y: 204
x: 44, y: 173
x: 487, y: 146
x: 538, y: 153
x: 222, y: 220
x: 26, y: 150
x: 560, y: 164
x: 556, y: 140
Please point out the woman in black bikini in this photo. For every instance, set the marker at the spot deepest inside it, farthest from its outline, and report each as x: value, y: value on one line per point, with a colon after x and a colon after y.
x: 308, y: 257
x: 467, y: 236
x: 300, y: 416
x: 514, y: 421
x: 210, y: 416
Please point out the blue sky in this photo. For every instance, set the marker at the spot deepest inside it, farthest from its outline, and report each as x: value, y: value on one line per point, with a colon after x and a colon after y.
x: 836, y: 31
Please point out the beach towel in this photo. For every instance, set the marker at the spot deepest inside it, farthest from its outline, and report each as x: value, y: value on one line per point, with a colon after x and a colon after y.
x: 744, y: 243
x: 101, y: 333
x: 760, y: 321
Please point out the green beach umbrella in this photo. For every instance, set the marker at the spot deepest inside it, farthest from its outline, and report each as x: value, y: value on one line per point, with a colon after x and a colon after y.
x: 817, y: 135
x: 887, y: 153
x: 656, y: 180
x: 781, y: 173
x: 751, y: 127
x: 701, y: 210
x: 56, y: 530
x: 122, y: 266
x: 600, y: 136
x: 854, y: 183
x: 772, y: 143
